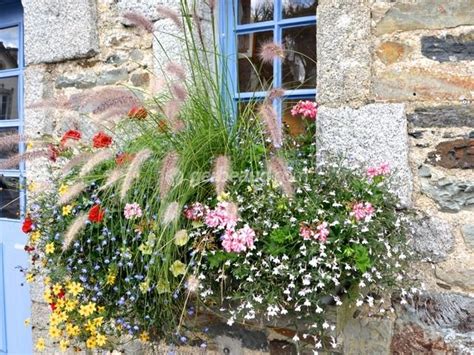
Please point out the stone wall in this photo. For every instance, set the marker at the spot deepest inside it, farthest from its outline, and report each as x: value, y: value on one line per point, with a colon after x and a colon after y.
x: 394, y: 84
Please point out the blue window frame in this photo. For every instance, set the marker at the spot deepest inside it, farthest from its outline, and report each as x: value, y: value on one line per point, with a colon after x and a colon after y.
x: 286, y: 22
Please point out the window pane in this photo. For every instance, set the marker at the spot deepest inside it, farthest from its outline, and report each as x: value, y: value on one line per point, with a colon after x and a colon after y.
x: 8, y: 150
x: 9, y: 197
x: 9, y: 48
x: 299, y: 8
x: 299, y: 66
x: 251, y: 11
x: 254, y: 75
x: 9, y: 98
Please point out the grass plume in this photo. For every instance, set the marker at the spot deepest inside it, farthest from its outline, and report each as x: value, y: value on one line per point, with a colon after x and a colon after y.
x: 98, y: 158
x: 139, y: 21
x: 74, y: 229
x: 133, y: 170
x: 168, y: 172
x: 221, y: 173
x: 269, y: 116
x: 73, y: 191
x: 279, y: 169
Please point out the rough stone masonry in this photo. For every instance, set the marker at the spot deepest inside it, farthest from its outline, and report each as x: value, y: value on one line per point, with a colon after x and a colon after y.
x: 395, y: 83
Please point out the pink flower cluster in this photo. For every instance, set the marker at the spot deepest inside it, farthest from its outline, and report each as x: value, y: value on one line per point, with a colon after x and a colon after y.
x: 224, y: 216
x: 363, y: 210
x: 321, y: 233
x: 381, y: 170
x: 132, y: 210
x: 196, y: 211
x: 238, y: 241
x: 307, y: 109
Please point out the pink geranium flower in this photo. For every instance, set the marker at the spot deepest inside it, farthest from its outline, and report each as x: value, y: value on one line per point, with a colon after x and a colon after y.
x: 238, y: 241
x: 195, y: 212
x: 362, y: 211
x: 132, y: 210
x: 381, y: 170
x: 224, y: 216
x: 322, y: 232
x: 307, y: 109
x: 306, y: 232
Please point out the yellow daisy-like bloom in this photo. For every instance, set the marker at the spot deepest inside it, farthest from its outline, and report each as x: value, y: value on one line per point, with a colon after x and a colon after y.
x: 54, y: 319
x: 100, y: 309
x: 90, y: 326
x: 72, y: 330
x: 57, y: 288
x: 47, y: 280
x: 49, y: 249
x: 144, y: 286
x: 87, y: 310
x: 35, y: 236
x: 63, y: 345
x: 145, y: 337
x: 101, y: 339
x: 178, y: 268
x: 63, y: 189
x: 30, y: 277
x: 91, y: 343
x: 47, y: 295
x: 74, y: 288
x: 32, y: 186
x: 40, y: 344
x: 27, y: 322
x: 54, y: 332
x: 224, y: 196
x: 111, y: 278
x: 67, y: 210
x: 71, y: 305
x: 99, y: 321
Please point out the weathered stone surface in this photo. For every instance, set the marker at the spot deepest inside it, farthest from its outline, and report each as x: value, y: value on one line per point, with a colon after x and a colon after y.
x: 458, y: 153
x: 448, y: 48
x: 412, y: 339
x: 113, y: 76
x: 390, y: 52
x: 443, y: 116
x: 422, y: 83
x: 116, y: 59
x: 468, y: 235
x: 461, y: 276
x: 59, y: 30
x: 280, y: 347
x: 373, y: 134
x: 367, y: 336
x: 425, y: 14
x: 449, y: 194
x: 140, y: 79
x: 81, y: 81
x: 343, y: 46
x: 148, y: 8
x: 424, y: 171
x: 432, y: 238
x: 239, y: 336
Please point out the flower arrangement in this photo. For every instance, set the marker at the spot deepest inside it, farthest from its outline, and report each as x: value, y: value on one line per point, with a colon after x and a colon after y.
x: 195, y: 210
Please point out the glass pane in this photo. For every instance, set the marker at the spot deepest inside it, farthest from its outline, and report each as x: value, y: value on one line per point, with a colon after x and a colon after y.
x: 9, y: 98
x: 9, y: 48
x: 299, y: 8
x: 297, y: 124
x: 251, y: 11
x: 254, y: 75
x: 9, y: 197
x: 299, y: 66
x: 7, y: 151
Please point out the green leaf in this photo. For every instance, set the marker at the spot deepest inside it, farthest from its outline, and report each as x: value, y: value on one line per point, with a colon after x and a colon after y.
x: 362, y: 259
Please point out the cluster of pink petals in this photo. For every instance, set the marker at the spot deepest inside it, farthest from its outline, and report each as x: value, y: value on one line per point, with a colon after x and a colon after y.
x: 307, y: 109
x: 195, y: 212
x: 363, y: 210
x: 383, y: 169
x: 321, y: 233
x: 238, y: 241
x: 132, y: 210
x: 221, y: 217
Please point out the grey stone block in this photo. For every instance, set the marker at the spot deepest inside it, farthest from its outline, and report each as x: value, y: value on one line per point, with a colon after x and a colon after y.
x: 113, y: 76
x: 371, y: 135
x: 344, y: 55
x: 58, y: 30
x: 368, y: 336
x: 432, y: 238
x: 451, y: 195
x: 468, y: 234
x: 448, y: 48
x: 443, y: 116
x: 460, y: 277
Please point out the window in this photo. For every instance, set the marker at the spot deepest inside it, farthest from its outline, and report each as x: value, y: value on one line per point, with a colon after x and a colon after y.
x: 11, y: 66
x: 246, y: 25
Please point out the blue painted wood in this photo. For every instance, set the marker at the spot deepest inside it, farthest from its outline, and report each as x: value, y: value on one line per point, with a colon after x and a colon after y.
x: 15, y: 303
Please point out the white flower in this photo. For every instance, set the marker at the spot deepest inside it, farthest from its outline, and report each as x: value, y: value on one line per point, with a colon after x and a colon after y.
x: 359, y: 303
x: 296, y: 338
x: 318, y: 310
x: 325, y: 325
x: 307, y: 303
x: 230, y: 322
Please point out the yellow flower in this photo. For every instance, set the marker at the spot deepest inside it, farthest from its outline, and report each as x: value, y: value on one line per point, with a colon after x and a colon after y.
x: 48, y: 297
x: 144, y: 286
x: 67, y: 210
x: 144, y: 337
x: 101, y: 339
x: 71, y: 305
x: 63, y: 345
x: 63, y: 189
x: 91, y: 343
x: 35, y: 236
x: 72, y: 330
x: 111, y: 278
x: 30, y: 277
x: 40, y: 344
x: 163, y: 286
x: 27, y: 322
x: 100, y: 309
x: 249, y: 188
x: 145, y: 249
x: 57, y: 288
x: 49, y: 249
x: 47, y: 280
x: 90, y: 326
x: 74, y: 288
x: 99, y: 321
x: 87, y: 310
x: 32, y: 186
x: 54, y: 319
x: 54, y: 332
x: 29, y: 145
x: 178, y: 268
x: 181, y: 237
x: 224, y: 196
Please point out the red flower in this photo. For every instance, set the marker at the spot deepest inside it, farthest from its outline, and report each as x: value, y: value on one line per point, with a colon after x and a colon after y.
x: 101, y: 140
x: 138, y: 113
x: 71, y: 134
x: 123, y: 158
x: 53, y: 152
x: 53, y: 306
x: 29, y: 249
x: 27, y: 225
x: 96, y: 214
